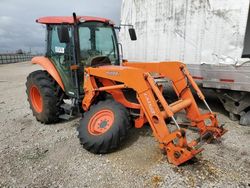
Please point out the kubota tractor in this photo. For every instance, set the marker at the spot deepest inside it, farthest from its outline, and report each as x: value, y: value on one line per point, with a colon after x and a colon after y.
x: 82, y: 64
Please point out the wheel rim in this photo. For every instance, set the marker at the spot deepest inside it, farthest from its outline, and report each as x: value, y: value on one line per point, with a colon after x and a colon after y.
x: 101, y: 122
x: 36, y: 99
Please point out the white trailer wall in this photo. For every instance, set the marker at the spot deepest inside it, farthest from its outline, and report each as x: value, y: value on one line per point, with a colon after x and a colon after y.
x: 192, y: 31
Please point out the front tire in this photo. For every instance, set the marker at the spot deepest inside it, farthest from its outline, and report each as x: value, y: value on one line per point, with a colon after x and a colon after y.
x: 103, y: 127
x: 45, y: 96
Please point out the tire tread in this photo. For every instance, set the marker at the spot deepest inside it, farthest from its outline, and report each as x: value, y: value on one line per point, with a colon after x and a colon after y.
x: 52, y: 95
x: 109, y: 141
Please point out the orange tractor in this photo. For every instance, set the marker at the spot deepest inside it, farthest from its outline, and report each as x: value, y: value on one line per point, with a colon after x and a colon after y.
x: 82, y: 65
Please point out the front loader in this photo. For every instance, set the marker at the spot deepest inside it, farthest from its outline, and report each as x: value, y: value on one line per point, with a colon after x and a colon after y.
x: 82, y: 64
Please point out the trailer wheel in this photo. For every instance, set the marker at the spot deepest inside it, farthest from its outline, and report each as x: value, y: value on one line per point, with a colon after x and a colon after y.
x: 45, y: 96
x: 103, y: 127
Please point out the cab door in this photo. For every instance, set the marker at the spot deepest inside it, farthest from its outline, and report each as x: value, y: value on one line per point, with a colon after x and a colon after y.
x: 61, y: 54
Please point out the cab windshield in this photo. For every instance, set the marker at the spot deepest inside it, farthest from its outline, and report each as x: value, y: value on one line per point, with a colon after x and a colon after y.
x: 97, y: 39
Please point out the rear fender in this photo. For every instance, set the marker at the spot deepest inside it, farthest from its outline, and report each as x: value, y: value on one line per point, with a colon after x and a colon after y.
x: 50, y: 68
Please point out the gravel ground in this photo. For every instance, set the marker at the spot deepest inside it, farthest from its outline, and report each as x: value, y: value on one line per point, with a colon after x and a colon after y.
x: 36, y: 155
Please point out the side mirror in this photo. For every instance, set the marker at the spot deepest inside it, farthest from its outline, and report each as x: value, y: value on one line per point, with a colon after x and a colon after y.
x: 132, y: 34
x: 63, y: 34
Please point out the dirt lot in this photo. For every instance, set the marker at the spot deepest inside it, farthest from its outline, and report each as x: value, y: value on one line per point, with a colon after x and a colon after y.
x: 36, y: 155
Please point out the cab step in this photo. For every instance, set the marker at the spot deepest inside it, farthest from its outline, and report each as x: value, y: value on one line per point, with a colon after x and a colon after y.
x: 66, y: 117
x: 69, y: 111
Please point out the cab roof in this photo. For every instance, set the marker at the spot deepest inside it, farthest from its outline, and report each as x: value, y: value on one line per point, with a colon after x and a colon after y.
x: 69, y: 20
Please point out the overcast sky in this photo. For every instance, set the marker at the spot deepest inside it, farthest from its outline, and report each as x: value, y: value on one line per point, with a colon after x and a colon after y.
x: 18, y: 29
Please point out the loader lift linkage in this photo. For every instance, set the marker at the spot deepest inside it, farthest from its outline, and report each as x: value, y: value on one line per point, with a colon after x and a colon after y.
x: 150, y: 99
x: 82, y: 63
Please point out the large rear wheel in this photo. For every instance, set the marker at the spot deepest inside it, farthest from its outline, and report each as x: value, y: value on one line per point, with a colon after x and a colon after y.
x: 45, y: 96
x: 104, y: 126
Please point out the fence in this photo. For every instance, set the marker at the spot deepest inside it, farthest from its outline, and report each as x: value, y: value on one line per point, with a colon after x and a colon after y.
x: 14, y: 58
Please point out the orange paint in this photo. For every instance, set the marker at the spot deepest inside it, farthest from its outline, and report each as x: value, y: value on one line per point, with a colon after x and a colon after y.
x: 36, y: 99
x: 101, y: 122
x: 69, y: 19
x: 152, y: 104
x: 50, y: 68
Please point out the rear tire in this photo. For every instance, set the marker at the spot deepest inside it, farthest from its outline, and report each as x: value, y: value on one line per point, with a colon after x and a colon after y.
x: 45, y: 96
x: 103, y: 127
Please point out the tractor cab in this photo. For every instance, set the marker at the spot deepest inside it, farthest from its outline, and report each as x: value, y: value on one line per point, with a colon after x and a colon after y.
x: 77, y: 42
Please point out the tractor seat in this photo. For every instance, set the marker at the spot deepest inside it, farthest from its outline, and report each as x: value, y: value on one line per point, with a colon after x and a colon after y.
x: 100, y: 61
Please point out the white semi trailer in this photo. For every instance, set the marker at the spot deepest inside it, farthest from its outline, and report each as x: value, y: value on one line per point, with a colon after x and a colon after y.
x: 211, y: 36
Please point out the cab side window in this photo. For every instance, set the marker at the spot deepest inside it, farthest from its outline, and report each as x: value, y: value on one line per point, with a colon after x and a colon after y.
x: 58, y: 50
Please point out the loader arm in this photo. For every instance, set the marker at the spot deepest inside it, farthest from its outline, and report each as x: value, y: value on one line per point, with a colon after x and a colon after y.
x: 179, y: 76
x: 153, y: 106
